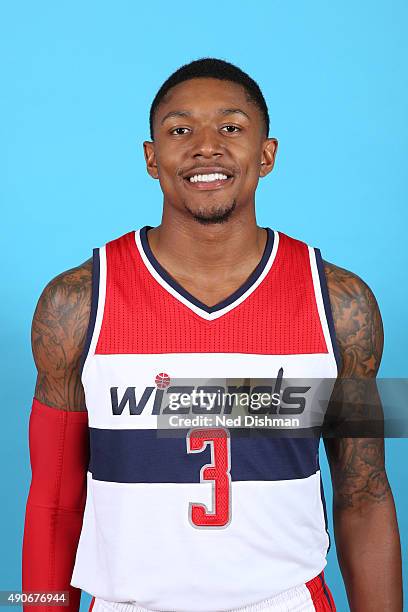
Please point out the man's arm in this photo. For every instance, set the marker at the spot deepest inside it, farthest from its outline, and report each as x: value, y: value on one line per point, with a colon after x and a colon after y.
x: 58, y: 437
x: 365, y: 524
x: 58, y: 336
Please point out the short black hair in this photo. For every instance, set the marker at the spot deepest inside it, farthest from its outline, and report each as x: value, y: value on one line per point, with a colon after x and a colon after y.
x: 211, y: 67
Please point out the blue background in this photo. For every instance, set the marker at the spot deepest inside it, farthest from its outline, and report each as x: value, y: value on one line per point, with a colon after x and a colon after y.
x: 77, y: 79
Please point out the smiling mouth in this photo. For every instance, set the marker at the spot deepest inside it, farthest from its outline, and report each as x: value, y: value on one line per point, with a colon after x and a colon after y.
x: 212, y: 180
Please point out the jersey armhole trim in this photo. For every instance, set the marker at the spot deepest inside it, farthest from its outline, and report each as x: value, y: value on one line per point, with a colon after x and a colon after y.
x: 94, y: 309
x: 323, y: 502
x: 327, y: 307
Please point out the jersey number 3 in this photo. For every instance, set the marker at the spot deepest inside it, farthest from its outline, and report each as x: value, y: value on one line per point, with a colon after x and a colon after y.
x: 218, y: 471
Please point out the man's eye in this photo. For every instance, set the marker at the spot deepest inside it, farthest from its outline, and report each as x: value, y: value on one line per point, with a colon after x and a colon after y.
x: 230, y: 129
x: 178, y: 131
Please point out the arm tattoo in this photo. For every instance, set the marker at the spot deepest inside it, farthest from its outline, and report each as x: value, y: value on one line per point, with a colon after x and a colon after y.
x: 58, y: 336
x: 357, y: 320
x: 357, y: 464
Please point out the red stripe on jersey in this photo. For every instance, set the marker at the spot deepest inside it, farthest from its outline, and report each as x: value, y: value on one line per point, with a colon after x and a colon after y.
x: 279, y: 317
x: 320, y: 593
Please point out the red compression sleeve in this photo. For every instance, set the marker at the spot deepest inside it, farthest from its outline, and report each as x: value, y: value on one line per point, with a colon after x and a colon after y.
x: 59, y: 457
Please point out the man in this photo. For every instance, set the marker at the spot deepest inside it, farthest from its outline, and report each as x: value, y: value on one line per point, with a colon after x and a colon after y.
x: 167, y: 525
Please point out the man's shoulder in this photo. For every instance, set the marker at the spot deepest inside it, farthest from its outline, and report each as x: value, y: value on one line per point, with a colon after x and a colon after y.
x: 357, y: 321
x: 345, y: 281
x: 68, y: 289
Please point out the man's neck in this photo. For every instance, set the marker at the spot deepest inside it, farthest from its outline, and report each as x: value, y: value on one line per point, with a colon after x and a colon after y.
x: 210, y: 261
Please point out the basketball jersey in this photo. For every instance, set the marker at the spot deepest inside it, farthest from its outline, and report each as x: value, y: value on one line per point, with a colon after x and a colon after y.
x: 218, y: 517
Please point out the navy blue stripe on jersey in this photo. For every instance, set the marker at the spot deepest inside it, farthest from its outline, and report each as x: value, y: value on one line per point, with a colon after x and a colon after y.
x: 94, y: 306
x: 322, y: 580
x: 324, y: 511
x: 327, y: 307
x: 188, y: 296
x: 144, y: 455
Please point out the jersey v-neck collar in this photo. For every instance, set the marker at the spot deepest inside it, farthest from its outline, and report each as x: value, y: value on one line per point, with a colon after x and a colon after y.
x: 178, y: 292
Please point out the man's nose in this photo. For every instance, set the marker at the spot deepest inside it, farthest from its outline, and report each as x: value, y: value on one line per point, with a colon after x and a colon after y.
x: 207, y: 143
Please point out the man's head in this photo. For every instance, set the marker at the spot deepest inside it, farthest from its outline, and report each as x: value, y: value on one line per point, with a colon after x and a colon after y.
x: 209, y: 126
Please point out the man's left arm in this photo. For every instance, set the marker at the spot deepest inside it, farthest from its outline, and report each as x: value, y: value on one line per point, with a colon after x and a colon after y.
x: 365, y: 523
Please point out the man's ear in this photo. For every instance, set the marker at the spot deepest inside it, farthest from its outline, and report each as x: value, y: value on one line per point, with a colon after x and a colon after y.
x: 150, y: 157
x: 270, y: 146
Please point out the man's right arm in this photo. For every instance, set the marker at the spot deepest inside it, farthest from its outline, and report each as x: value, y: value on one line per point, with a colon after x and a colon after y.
x: 58, y: 437
x: 58, y: 336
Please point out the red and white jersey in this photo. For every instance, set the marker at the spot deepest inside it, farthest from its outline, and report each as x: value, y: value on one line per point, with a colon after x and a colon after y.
x: 215, y: 519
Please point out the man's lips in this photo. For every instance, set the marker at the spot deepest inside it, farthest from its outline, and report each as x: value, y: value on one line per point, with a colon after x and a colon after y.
x: 205, y: 186
x: 208, y: 177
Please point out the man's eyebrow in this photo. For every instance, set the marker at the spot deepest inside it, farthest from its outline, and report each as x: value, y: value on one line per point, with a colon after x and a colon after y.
x: 221, y: 111
x: 175, y: 114
x: 228, y: 111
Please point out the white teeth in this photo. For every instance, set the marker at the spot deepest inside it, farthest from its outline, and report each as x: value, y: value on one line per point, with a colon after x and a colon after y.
x: 207, y: 178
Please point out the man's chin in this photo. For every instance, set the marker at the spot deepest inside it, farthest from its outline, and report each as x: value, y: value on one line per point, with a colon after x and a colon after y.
x: 212, y: 215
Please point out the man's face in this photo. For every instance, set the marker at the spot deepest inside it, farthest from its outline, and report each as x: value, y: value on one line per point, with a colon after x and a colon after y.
x: 209, y: 149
